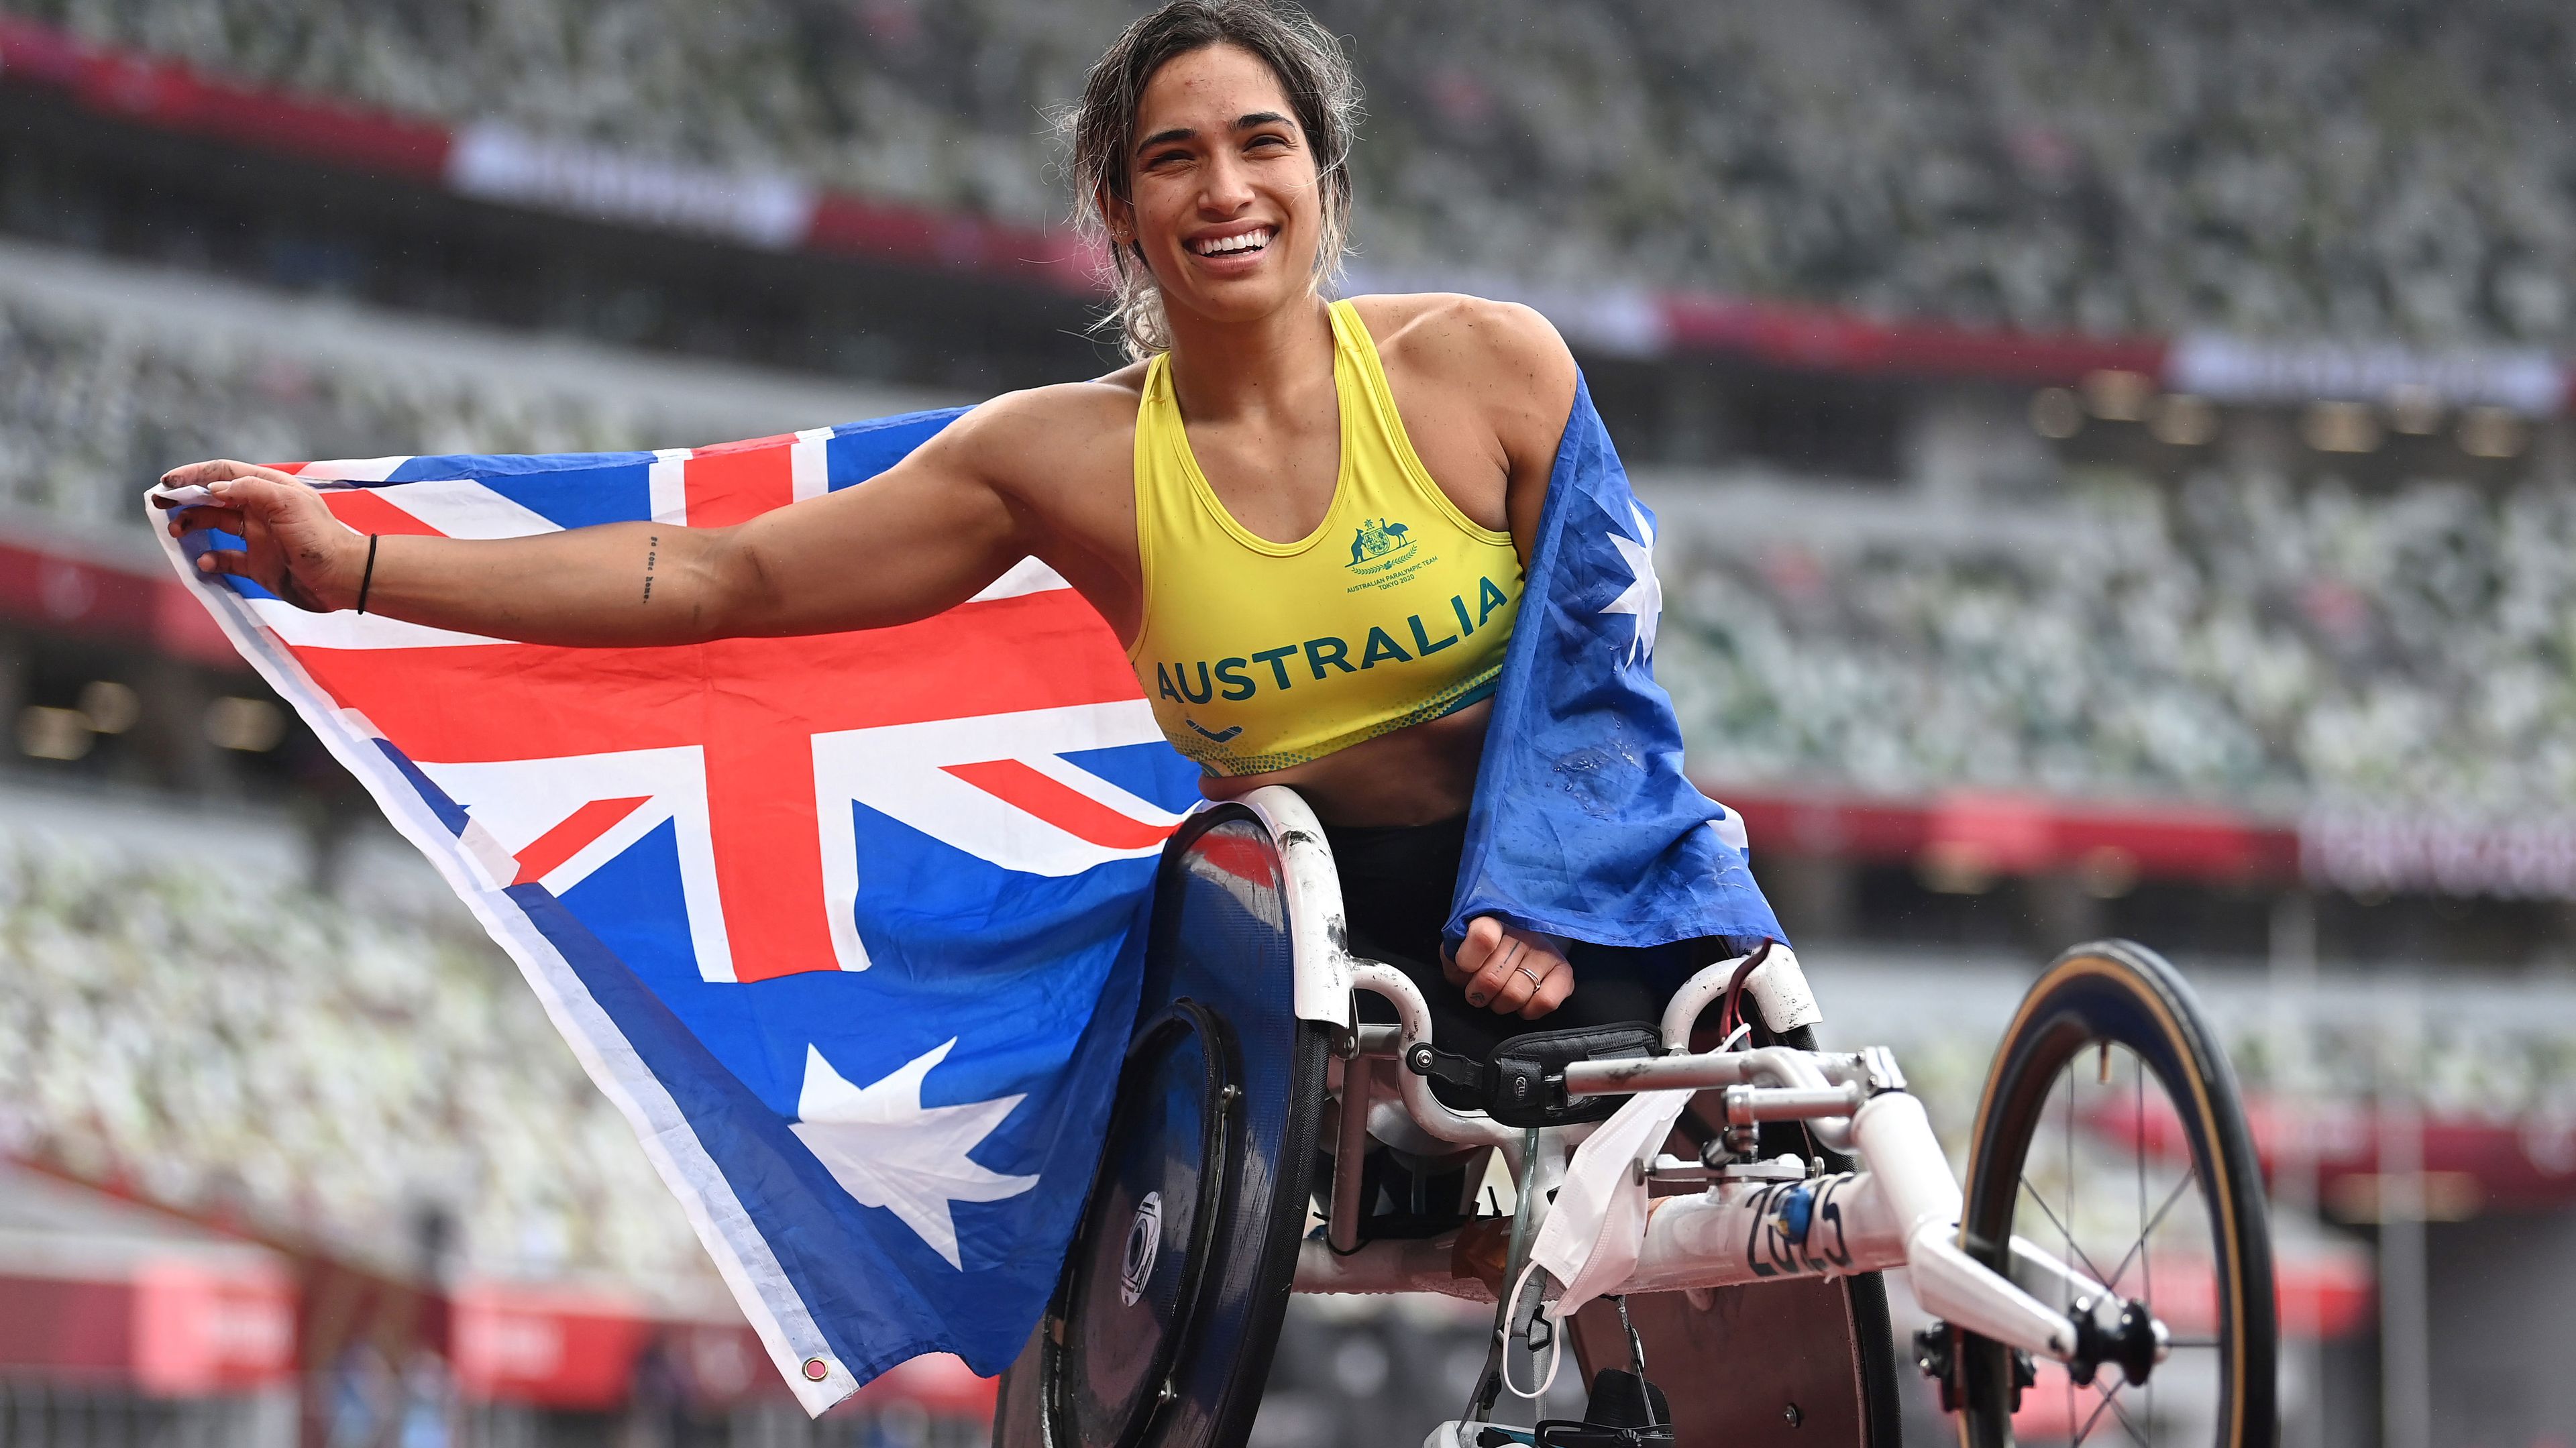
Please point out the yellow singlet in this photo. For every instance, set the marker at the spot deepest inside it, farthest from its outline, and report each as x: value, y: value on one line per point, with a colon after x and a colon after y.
x: 1260, y: 655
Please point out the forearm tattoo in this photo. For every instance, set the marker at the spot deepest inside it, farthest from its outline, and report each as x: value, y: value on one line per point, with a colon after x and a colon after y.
x: 652, y: 551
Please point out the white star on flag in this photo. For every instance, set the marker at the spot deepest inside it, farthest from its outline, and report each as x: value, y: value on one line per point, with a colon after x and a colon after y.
x: 888, y: 1150
x: 1644, y: 595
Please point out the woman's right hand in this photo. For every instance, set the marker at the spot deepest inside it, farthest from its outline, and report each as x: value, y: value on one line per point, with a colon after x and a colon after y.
x: 294, y: 547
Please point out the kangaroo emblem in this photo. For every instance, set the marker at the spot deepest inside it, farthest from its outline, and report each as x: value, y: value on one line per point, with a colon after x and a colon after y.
x: 1375, y: 538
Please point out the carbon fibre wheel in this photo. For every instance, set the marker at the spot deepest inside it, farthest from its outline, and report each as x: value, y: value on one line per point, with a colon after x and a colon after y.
x: 1168, y: 1312
x: 2111, y: 1138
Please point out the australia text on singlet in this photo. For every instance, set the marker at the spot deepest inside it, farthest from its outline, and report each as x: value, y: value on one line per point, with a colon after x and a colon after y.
x: 1261, y: 655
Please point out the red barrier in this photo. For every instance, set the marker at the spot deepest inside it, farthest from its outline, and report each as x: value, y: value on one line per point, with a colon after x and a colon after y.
x: 950, y: 241
x: 558, y: 1347
x: 59, y: 591
x: 71, y: 1329
x: 640, y: 189
x: 202, y: 1330
x: 179, y: 98
x: 1818, y: 339
x: 2010, y: 834
x: 549, y: 1346
x: 938, y: 1383
x: 172, y: 1327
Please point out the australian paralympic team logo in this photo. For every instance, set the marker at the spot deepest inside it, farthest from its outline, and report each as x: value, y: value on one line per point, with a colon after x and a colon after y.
x: 1383, y: 554
x: 1378, y: 546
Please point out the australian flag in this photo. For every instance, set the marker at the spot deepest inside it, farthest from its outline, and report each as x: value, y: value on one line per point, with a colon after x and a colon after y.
x: 849, y: 926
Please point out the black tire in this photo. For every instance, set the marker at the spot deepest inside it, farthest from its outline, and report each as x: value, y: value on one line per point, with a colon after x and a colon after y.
x: 2115, y: 994
x: 1223, y: 1079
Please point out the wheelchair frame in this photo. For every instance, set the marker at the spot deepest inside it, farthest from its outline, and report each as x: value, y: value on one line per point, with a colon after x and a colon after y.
x: 1750, y: 1220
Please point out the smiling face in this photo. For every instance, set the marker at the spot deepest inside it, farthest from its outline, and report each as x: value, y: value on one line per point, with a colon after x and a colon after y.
x: 1224, y: 197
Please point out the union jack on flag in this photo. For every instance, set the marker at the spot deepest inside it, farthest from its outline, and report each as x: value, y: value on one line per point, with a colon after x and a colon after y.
x: 846, y: 925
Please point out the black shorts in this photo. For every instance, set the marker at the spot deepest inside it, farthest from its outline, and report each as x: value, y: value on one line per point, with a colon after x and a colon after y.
x: 1397, y: 881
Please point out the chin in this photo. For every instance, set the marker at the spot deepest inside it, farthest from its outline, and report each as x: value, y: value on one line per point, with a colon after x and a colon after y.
x: 1245, y: 299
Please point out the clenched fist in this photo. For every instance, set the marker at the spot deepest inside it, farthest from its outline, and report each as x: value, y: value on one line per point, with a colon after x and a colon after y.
x: 1513, y: 971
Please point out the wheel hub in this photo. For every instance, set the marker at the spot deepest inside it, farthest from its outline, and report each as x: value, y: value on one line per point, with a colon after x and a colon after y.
x: 2122, y: 1333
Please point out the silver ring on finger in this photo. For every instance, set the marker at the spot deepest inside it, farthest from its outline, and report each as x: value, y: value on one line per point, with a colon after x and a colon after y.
x: 1534, y: 980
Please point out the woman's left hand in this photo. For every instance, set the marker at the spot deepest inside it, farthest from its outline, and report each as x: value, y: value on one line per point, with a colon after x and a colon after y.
x: 1513, y: 971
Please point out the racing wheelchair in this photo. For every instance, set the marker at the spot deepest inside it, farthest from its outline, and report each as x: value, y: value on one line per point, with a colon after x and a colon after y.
x: 2109, y: 1247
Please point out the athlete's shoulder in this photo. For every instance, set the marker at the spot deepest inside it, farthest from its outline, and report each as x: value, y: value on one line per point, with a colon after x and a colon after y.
x: 1037, y: 430
x: 1101, y: 403
x: 1500, y: 359
x: 1466, y: 337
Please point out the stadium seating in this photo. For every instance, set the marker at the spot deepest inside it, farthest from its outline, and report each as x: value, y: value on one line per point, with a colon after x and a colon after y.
x: 2085, y: 168
x: 2237, y: 638
x: 91, y: 411
x: 111, y: 372
x: 222, y: 1039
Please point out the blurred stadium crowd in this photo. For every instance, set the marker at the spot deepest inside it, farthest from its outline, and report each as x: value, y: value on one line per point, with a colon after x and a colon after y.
x: 2383, y: 170
x: 2239, y: 637
x: 88, y: 406
x: 377, y: 1081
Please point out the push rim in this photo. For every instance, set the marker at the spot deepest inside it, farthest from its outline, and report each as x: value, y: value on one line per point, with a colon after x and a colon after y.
x: 2118, y: 1011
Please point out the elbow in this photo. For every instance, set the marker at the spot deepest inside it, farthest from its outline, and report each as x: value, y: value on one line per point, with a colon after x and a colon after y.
x: 733, y: 592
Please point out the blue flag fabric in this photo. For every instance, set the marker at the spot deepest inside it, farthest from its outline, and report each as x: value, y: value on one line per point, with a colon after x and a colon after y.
x: 1584, y: 824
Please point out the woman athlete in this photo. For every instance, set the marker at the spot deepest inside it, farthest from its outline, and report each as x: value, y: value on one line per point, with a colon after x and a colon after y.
x: 1306, y: 520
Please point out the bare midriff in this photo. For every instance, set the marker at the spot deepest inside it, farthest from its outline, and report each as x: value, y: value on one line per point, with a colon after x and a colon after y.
x: 1414, y: 776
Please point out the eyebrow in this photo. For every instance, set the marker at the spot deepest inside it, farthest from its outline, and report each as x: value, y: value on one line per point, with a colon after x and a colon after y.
x: 1248, y: 121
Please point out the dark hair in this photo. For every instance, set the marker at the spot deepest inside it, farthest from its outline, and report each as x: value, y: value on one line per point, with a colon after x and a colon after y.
x: 1311, y: 68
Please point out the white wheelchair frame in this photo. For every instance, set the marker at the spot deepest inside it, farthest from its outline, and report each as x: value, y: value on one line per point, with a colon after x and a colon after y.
x: 1901, y: 1208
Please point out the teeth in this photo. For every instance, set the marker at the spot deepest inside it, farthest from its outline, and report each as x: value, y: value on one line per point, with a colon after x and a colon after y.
x: 1248, y: 241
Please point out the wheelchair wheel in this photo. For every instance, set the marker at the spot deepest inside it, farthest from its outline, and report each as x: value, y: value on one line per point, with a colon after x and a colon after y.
x: 2111, y: 1136
x: 1164, y: 1322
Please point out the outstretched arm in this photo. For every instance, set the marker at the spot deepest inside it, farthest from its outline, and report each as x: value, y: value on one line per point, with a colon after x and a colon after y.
x: 923, y: 536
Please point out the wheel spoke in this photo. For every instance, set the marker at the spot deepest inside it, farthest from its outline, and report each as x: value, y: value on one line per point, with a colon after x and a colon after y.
x: 2071, y: 1244
x: 2146, y: 1268
x: 2074, y: 1187
x: 2111, y: 1400
x: 2138, y: 1248
x: 2107, y: 1400
x: 2138, y: 1154
x: 2090, y: 1419
x: 2072, y: 1251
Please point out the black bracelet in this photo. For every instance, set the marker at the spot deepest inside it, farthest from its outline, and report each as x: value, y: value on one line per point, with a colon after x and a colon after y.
x: 369, y: 580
